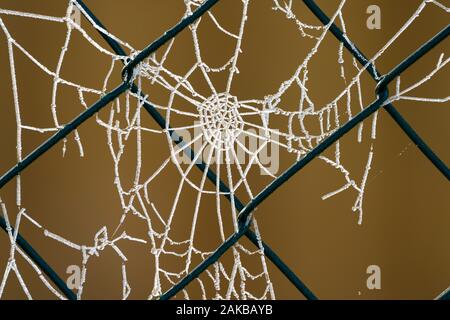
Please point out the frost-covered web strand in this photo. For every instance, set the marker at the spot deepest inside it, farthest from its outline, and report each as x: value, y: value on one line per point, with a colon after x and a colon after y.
x: 218, y: 119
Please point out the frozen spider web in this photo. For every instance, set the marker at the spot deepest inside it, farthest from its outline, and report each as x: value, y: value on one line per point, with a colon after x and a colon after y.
x: 205, y: 128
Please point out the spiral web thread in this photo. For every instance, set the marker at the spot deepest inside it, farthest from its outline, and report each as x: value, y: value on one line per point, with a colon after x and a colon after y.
x: 221, y: 119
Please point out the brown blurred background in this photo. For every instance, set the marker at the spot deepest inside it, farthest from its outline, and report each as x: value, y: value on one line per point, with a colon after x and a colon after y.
x: 406, y: 212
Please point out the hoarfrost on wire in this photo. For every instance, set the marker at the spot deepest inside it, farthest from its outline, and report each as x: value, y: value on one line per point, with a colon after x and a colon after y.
x: 236, y: 117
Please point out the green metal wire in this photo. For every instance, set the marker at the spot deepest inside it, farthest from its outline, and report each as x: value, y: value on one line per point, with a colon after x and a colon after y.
x: 245, y: 211
x: 244, y: 218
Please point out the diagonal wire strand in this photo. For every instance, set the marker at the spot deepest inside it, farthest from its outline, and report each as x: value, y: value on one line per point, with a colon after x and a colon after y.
x: 88, y: 113
x: 245, y: 215
x: 245, y: 212
x: 392, y: 111
x: 202, y: 166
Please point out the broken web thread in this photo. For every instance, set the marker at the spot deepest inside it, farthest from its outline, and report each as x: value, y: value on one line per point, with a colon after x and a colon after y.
x: 222, y: 120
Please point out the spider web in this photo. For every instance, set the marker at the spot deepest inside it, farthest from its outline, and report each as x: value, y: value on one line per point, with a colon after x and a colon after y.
x: 205, y: 127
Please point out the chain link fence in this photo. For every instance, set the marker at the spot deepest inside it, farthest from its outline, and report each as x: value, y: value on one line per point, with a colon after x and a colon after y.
x: 245, y: 210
